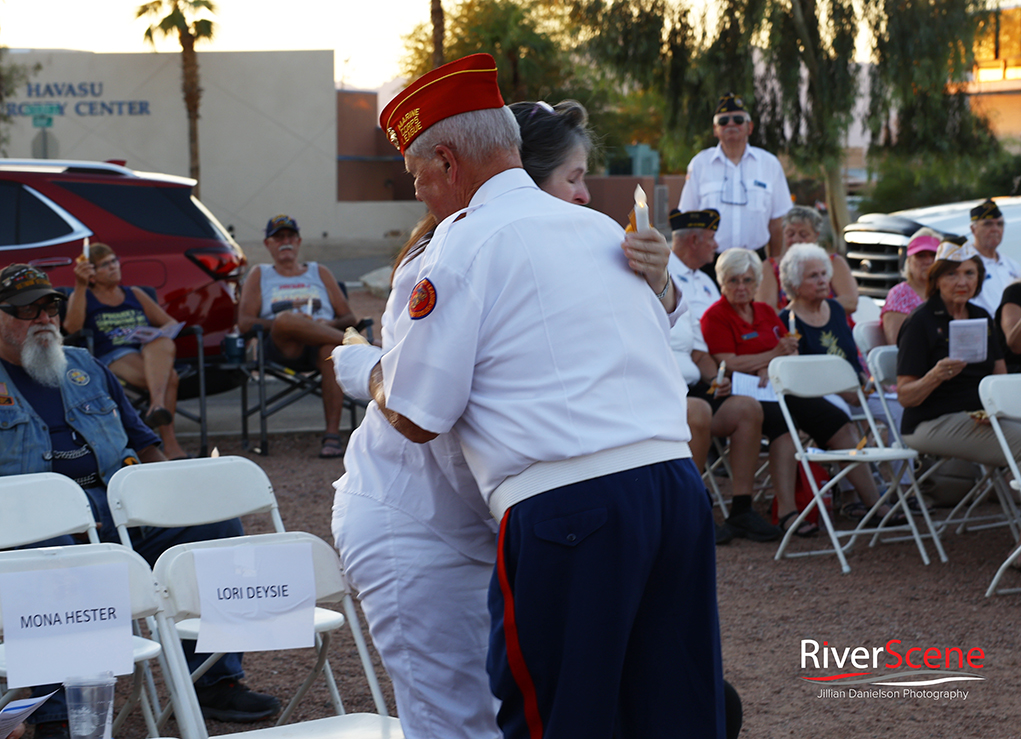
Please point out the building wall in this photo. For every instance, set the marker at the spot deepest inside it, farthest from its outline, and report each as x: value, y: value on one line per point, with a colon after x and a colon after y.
x: 267, y: 131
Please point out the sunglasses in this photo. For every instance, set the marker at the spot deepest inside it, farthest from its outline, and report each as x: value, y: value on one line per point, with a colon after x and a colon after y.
x: 31, y: 311
x: 723, y: 120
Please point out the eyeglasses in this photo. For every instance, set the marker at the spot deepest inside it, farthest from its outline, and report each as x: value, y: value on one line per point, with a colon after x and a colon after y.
x: 723, y: 120
x: 31, y: 311
x: 734, y: 192
x: 107, y: 263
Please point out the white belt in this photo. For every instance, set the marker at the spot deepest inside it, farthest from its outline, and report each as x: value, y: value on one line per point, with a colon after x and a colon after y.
x: 543, y: 476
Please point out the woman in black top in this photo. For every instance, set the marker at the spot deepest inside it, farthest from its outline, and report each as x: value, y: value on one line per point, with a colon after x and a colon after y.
x: 1008, y: 325
x: 939, y: 394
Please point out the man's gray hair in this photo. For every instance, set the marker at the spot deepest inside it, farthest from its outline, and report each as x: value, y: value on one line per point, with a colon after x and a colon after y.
x: 475, y: 135
x: 737, y: 261
x: 792, y: 266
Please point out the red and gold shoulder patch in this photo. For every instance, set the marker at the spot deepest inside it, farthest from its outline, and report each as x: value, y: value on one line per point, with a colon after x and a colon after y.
x: 423, y: 300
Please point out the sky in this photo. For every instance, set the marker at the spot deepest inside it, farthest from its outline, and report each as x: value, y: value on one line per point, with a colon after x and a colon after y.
x: 365, y: 36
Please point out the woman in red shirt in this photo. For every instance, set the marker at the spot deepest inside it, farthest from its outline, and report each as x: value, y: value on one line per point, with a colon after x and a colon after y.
x: 748, y: 335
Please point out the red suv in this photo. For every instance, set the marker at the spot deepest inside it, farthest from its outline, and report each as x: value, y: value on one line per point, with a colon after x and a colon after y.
x: 164, y: 236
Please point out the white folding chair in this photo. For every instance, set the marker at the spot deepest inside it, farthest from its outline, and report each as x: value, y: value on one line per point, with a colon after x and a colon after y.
x: 868, y: 335
x: 46, y: 505
x: 43, y: 506
x: 882, y: 363
x: 1001, y: 398
x: 192, y: 492
x: 175, y: 572
x: 816, y: 376
x: 143, y: 599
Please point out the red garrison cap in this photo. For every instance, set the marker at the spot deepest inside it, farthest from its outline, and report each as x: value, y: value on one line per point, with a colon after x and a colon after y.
x: 458, y: 87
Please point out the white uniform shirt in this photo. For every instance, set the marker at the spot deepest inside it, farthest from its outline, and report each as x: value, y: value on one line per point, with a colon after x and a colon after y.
x: 429, y: 482
x: 713, y: 179
x: 1000, y: 272
x: 699, y: 293
x: 540, y: 344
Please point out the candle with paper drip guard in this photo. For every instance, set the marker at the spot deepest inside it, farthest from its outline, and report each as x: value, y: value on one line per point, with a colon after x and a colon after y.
x: 720, y: 374
x: 641, y: 210
x: 308, y: 306
x: 85, y: 247
x: 792, y: 324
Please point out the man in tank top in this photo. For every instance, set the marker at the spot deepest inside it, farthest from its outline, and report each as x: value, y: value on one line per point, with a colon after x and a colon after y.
x: 304, y: 312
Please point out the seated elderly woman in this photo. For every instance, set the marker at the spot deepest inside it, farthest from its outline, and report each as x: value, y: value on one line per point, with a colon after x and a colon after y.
x: 747, y: 335
x: 101, y: 304
x: 940, y: 394
x: 803, y: 225
x: 905, y: 296
x: 820, y: 320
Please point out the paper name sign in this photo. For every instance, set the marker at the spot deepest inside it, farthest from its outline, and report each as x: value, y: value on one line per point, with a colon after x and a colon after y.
x: 72, y: 621
x: 256, y: 598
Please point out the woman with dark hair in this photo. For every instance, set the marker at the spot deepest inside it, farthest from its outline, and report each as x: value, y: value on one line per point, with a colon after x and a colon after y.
x: 99, y: 303
x: 940, y: 394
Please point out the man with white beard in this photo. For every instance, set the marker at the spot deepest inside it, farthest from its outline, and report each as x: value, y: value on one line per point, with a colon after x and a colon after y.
x: 62, y: 411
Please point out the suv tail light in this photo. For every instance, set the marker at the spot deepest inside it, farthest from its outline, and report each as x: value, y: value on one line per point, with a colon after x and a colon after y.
x: 220, y: 262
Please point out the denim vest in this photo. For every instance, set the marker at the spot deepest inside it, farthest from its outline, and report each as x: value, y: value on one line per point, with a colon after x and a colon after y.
x: 88, y: 409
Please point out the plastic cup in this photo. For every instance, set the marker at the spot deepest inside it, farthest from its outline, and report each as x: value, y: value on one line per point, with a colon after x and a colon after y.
x: 90, y: 705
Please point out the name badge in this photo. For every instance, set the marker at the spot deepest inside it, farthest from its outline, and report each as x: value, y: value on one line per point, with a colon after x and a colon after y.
x: 752, y: 335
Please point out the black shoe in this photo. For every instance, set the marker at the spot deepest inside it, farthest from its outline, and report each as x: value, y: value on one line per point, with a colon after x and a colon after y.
x: 723, y: 534
x: 229, y: 700
x: 751, y: 525
x: 52, y: 730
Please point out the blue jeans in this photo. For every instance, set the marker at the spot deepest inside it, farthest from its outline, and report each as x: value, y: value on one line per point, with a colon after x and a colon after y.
x: 150, y: 543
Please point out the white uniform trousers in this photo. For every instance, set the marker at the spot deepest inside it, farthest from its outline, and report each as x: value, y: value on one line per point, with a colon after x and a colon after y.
x: 426, y: 606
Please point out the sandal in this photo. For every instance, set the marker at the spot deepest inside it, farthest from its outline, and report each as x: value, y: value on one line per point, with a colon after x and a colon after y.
x: 855, y: 511
x: 806, y: 529
x: 157, y: 416
x: 333, y: 447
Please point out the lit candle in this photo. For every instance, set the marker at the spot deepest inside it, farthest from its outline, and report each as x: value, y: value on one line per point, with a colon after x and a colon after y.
x: 720, y: 374
x: 308, y: 306
x: 792, y: 323
x: 641, y: 210
x: 85, y: 248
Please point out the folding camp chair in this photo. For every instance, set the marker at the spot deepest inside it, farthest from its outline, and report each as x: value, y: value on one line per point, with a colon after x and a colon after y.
x: 817, y: 376
x: 186, y: 370
x: 143, y: 600
x: 175, y: 571
x: 1001, y: 398
x: 192, y: 492
x: 297, y: 381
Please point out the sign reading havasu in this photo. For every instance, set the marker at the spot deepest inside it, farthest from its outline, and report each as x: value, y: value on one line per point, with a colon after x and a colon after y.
x: 71, y: 621
x: 256, y: 598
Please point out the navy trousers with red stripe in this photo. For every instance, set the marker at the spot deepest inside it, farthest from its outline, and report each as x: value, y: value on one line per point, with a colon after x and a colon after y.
x: 603, y: 608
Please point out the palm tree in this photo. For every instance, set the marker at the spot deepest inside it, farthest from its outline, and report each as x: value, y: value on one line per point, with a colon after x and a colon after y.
x: 179, y: 19
x: 438, y: 31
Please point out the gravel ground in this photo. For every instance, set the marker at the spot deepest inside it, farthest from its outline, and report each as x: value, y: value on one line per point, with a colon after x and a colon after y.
x: 766, y: 609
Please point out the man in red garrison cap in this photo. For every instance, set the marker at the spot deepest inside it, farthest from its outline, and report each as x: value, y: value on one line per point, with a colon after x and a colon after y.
x: 529, y: 336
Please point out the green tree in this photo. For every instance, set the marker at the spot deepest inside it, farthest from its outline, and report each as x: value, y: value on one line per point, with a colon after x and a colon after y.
x: 531, y: 62
x: 923, y: 50
x: 807, y: 97
x: 179, y: 18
